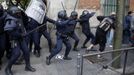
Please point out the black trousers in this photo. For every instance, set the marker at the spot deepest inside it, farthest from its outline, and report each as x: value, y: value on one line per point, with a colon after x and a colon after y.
x: 100, y: 38
x: 89, y: 35
x: 2, y: 45
x: 20, y: 45
x: 47, y: 36
x: 58, y: 46
x: 75, y: 37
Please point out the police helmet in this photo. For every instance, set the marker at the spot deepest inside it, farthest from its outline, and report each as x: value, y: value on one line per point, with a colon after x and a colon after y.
x: 85, y: 12
x: 74, y: 14
x: 1, y: 10
x: 14, y: 11
x: 62, y: 14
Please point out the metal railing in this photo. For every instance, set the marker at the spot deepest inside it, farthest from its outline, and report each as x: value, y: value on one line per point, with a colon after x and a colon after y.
x: 81, y: 57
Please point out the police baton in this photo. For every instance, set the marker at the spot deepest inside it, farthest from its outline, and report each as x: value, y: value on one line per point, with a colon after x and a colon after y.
x: 63, y: 6
x: 54, y: 25
x: 37, y: 28
x: 75, y: 5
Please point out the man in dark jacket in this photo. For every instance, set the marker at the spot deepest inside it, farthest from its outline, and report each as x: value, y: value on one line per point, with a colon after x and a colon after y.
x: 132, y: 30
x: 126, y: 27
x: 100, y: 37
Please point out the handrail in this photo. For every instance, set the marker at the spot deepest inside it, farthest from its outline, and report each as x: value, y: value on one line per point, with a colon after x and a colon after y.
x: 116, y: 50
x: 80, y: 69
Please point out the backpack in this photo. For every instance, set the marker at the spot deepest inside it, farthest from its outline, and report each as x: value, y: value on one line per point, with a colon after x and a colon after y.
x: 106, y: 24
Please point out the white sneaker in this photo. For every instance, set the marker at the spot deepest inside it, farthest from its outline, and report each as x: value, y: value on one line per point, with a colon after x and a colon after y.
x: 98, y: 56
x: 110, y: 45
x: 58, y: 56
x: 90, y: 47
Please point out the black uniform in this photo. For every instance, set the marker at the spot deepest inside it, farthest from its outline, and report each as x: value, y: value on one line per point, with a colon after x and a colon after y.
x: 71, y: 32
x: 71, y: 29
x: 43, y: 31
x: 2, y: 33
x: 15, y: 29
x: 84, y: 22
x: 62, y: 37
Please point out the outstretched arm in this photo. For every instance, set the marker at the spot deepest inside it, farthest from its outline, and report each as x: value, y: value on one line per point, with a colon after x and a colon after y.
x: 100, y: 18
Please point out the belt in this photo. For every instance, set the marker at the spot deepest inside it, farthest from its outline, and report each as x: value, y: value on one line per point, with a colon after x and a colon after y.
x: 62, y: 34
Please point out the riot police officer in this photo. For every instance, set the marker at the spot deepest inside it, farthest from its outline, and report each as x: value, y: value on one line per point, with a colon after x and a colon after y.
x: 84, y: 22
x: 2, y: 33
x: 62, y: 37
x: 36, y: 18
x: 43, y: 31
x: 34, y: 36
x: 16, y: 30
x: 71, y: 28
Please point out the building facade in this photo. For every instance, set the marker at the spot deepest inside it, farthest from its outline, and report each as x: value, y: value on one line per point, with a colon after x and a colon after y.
x: 106, y: 6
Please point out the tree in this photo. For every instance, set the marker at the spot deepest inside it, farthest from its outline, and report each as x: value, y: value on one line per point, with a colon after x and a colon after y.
x: 118, y: 31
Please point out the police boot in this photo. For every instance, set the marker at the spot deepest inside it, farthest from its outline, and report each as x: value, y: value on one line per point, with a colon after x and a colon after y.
x: 75, y: 49
x: 19, y: 61
x: 38, y: 53
x: 50, y: 50
x: 0, y: 64
x: 30, y: 68
x: 34, y: 52
x: 83, y: 46
x: 8, y: 55
x: 67, y: 58
x: 48, y: 60
x: 0, y: 67
x: 8, y: 71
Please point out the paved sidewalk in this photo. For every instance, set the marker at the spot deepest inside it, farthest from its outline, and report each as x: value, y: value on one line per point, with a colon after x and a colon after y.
x: 63, y: 67
x: 58, y: 66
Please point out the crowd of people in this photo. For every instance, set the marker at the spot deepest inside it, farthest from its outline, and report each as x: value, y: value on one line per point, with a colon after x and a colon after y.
x: 19, y: 30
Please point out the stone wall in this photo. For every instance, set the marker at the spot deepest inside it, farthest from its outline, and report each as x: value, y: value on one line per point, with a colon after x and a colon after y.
x: 131, y: 5
x: 69, y: 5
x: 90, y: 4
